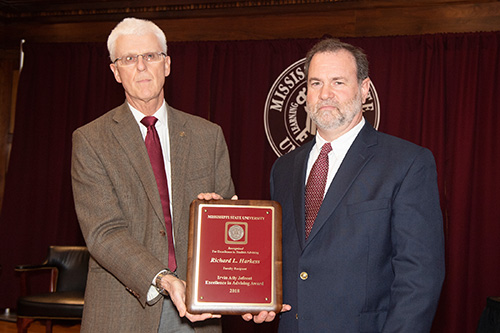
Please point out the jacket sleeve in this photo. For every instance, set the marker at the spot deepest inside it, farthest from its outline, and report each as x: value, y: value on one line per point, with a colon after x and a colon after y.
x: 418, y: 249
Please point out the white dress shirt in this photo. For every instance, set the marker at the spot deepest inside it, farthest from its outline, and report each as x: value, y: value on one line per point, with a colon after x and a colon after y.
x: 162, y: 128
x: 340, y: 146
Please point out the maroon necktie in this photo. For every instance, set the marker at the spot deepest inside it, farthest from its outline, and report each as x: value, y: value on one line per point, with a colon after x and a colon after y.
x: 315, y: 187
x: 153, y: 146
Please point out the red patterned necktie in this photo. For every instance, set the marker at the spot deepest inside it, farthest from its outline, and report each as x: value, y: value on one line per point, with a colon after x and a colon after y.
x: 153, y: 146
x: 315, y: 187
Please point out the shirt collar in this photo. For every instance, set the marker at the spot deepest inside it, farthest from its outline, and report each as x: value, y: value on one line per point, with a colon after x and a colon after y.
x: 341, y: 145
x: 160, y: 114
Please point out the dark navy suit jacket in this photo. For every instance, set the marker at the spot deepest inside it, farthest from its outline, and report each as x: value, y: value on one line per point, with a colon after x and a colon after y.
x: 375, y: 256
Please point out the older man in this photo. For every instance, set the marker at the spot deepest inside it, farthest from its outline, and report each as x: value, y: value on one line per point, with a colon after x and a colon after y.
x: 135, y: 171
x: 363, y: 247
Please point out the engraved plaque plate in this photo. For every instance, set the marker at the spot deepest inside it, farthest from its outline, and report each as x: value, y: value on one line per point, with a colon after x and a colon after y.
x: 234, y: 259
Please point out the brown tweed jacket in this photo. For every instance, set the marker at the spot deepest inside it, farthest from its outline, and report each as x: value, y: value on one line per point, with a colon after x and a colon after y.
x: 120, y: 213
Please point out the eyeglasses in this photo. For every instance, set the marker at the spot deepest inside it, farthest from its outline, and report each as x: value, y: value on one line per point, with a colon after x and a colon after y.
x: 150, y: 57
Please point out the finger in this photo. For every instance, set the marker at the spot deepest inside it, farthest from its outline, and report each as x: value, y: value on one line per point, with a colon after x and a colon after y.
x: 261, y: 317
x: 286, y: 307
x: 247, y: 316
x: 204, y: 196
x: 216, y: 196
x: 200, y: 317
x: 270, y: 316
x: 209, y: 196
x: 235, y: 197
x: 193, y: 318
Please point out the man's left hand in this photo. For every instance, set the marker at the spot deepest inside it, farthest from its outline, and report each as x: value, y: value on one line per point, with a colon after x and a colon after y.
x: 176, y: 289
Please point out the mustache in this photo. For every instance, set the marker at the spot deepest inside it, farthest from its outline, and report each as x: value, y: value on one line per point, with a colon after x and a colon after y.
x: 326, y: 102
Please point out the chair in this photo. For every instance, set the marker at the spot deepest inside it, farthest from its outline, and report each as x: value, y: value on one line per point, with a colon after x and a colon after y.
x: 68, y: 265
x: 490, y: 317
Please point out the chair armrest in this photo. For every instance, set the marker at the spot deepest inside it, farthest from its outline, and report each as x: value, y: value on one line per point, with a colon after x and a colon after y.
x: 27, y: 268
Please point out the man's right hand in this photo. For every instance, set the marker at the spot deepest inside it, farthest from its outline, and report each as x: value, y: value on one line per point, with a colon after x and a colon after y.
x: 213, y: 196
x: 265, y: 316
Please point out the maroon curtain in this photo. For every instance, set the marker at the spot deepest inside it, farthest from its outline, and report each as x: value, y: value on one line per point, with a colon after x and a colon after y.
x: 439, y: 91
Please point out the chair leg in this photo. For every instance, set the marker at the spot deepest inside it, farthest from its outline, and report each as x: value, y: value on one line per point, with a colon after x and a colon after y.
x: 23, y: 324
x: 48, y: 326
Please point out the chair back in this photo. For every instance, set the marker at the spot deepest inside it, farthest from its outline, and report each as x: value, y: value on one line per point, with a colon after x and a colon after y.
x: 72, y: 263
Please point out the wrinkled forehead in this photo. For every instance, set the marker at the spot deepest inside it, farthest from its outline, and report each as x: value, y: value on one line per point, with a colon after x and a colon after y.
x: 338, y: 63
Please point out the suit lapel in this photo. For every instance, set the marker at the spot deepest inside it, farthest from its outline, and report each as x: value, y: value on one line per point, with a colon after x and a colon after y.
x: 129, y: 136
x: 355, y: 160
x: 299, y: 180
x: 180, y: 141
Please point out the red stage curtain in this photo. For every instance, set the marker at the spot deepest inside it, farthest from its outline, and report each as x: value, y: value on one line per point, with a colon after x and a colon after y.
x: 439, y: 91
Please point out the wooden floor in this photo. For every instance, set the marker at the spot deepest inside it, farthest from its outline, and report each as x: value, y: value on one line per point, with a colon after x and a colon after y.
x: 37, y: 327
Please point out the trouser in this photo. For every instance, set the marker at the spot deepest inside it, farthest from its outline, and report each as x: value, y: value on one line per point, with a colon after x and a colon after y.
x: 171, y: 322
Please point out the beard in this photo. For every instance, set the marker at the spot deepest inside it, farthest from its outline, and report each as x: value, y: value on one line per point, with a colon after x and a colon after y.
x: 343, y: 113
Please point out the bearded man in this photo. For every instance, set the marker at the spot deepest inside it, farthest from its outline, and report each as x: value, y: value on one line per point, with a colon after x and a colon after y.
x: 363, y: 243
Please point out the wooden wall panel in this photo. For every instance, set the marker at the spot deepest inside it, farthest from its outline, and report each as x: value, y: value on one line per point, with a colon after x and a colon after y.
x: 429, y: 19
x: 376, y: 18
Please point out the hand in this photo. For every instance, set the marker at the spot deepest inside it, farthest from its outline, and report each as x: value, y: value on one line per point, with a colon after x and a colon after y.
x: 176, y: 288
x: 213, y: 196
x: 265, y: 316
x: 201, y: 317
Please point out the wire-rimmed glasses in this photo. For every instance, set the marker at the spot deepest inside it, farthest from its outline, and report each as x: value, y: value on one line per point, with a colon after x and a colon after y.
x: 131, y: 59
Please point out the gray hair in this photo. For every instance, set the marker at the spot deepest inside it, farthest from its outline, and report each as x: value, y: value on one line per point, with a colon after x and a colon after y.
x: 134, y: 26
x: 333, y: 45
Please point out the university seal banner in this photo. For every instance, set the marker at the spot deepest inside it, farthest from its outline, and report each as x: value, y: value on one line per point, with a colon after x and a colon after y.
x: 286, y: 121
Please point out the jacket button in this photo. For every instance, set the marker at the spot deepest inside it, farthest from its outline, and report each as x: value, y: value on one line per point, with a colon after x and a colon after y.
x: 304, y: 276
x: 163, y: 233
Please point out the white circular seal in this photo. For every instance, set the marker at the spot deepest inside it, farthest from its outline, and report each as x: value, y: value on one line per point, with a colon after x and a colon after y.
x: 286, y: 121
x: 236, y: 232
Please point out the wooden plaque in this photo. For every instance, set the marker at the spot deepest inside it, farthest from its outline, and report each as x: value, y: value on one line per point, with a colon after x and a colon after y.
x: 234, y: 257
